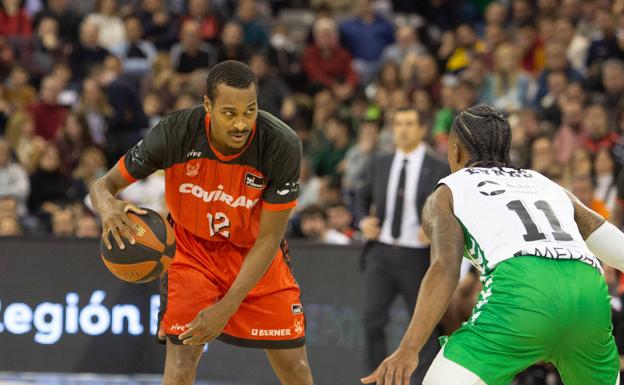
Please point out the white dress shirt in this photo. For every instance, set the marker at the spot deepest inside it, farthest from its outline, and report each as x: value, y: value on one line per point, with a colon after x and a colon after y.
x: 410, y: 222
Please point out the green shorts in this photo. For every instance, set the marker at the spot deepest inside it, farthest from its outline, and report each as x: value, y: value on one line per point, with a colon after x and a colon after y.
x: 536, y: 309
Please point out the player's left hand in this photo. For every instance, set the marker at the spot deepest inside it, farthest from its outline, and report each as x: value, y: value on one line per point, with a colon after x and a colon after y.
x: 207, y: 325
x: 397, y: 369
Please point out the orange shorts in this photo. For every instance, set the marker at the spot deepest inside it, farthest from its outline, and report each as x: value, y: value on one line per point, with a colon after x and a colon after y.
x: 271, y: 317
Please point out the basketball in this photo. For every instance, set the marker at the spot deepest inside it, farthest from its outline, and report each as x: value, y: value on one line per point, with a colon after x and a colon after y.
x: 149, y: 257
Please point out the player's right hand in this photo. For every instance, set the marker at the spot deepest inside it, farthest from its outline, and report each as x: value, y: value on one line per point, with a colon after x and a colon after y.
x: 370, y: 227
x: 397, y: 369
x: 116, y: 222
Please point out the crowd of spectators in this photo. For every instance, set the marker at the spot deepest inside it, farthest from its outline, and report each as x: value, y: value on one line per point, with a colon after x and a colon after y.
x: 81, y: 81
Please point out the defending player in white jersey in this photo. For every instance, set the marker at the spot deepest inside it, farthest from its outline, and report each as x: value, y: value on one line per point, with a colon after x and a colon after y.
x: 544, y: 296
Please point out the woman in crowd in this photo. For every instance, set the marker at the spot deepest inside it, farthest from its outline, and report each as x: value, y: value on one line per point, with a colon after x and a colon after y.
x: 72, y: 139
x: 110, y: 26
x: 26, y: 145
x: 94, y: 106
x: 507, y: 87
x: 92, y: 165
x: 48, y: 185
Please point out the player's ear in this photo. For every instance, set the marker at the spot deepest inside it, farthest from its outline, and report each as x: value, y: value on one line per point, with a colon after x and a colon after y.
x: 456, y: 153
x: 207, y: 104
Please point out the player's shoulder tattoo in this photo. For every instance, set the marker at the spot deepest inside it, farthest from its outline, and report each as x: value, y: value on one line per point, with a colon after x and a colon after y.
x: 438, y: 207
x: 586, y: 219
x: 441, y: 226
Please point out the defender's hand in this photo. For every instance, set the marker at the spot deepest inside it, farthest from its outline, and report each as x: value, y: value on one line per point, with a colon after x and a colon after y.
x: 116, y: 222
x: 370, y: 228
x: 207, y: 326
x: 397, y: 369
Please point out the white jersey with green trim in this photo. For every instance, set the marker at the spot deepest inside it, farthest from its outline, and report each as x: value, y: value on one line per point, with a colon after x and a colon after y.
x: 505, y: 213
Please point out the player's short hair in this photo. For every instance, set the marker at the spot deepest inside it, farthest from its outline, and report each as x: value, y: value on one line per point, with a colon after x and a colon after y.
x: 486, y: 134
x: 233, y: 74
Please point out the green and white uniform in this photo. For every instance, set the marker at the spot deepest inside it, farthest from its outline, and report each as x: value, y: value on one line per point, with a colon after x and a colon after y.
x: 544, y: 297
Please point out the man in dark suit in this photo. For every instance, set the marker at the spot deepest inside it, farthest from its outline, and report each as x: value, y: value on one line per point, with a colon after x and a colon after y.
x: 396, y: 256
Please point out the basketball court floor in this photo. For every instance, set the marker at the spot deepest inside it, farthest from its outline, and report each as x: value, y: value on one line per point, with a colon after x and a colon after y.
x: 9, y: 378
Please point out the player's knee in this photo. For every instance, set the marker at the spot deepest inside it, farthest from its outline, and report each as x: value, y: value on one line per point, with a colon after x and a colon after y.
x: 180, y: 372
x: 298, y: 372
x: 179, y: 376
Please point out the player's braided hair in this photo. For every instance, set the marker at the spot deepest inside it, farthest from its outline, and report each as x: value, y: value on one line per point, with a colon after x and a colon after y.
x: 231, y: 72
x: 486, y: 134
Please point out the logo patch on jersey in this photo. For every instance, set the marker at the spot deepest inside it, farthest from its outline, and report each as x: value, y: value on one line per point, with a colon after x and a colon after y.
x: 192, y: 168
x: 217, y: 195
x: 289, y: 188
x: 296, y: 308
x: 490, y: 188
x: 254, y: 181
x: 298, y: 326
x: 193, y: 154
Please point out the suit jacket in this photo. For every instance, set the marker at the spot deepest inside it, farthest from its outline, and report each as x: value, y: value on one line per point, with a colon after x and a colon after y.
x: 375, y: 187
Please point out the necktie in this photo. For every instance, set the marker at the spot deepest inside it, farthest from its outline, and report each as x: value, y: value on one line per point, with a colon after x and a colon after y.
x: 398, y: 203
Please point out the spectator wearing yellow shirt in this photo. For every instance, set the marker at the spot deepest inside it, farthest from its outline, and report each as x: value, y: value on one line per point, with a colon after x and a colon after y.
x: 468, y: 46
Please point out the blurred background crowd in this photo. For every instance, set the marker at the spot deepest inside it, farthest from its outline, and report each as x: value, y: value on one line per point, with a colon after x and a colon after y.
x: 83, y: 80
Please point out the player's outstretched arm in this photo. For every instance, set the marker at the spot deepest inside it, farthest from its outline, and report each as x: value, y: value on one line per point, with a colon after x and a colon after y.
x: 601, y: 237
x: 436, y: 290
x: 112, y: 210
x: 210, y: 322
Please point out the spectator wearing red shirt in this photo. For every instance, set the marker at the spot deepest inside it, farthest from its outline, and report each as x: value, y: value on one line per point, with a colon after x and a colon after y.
x: 596, y: 129
x: 328, y: 64
x: 48, y: 114
x: 531, y: 47
x: 14, y: 21
x: 210, y: 19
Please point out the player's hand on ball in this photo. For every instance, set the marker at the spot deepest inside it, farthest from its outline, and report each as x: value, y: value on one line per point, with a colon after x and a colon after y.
x: 397, y: 369
x: 116, y: 222
x: 207, y: 326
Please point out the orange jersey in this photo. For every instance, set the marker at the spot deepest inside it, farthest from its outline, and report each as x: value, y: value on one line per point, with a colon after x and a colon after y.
x: 213, y: 196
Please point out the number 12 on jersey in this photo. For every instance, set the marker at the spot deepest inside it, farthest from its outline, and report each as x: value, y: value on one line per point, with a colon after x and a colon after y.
x: 219, y: 224
x: 533, y: 232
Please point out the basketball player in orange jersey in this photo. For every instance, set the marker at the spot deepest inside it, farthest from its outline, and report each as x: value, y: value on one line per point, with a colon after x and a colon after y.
x: 232, y: 179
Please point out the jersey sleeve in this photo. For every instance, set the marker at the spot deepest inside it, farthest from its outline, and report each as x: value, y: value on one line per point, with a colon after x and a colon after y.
x: 283, y: 183
x: 147, y: 156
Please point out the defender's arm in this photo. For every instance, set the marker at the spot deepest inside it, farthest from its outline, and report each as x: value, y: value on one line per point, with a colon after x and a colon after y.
x: 438, y: 285
x: 601, y: 237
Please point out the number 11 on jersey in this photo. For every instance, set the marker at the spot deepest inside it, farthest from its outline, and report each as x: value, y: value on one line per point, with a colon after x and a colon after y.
x: 533, y: 232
